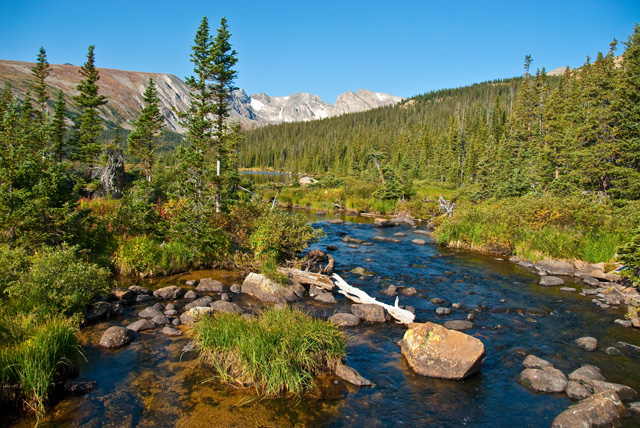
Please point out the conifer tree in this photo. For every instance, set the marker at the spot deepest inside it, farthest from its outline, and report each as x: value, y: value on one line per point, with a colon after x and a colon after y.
x: 88, y: 124
x: 58, y: 129
x: 143, y: 141
x: 41, y: 71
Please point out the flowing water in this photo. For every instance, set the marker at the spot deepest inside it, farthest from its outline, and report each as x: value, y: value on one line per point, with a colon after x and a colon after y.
x: 151, y: 383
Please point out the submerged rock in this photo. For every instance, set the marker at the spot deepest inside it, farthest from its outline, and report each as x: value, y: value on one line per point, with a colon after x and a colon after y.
x: 587, y: 343
x: 459, y: 325
x: 115, y: 337
x: 350, y: 375
x: 369, y: 312
x: 79, y: 386
x: 600, y: 410
x: 386, y: 239
x: 434, y: 351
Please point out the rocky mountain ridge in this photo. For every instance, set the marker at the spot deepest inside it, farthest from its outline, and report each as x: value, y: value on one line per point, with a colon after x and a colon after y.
x: 124, y: 90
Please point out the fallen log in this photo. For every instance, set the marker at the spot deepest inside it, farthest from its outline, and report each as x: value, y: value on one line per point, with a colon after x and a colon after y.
x: 309, y: 278
x: 356, y: 295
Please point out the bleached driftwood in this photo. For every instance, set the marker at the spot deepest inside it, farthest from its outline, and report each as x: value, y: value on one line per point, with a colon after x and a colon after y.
x: 309, y: 278
x: 447, y: 206
x: 355, y: 294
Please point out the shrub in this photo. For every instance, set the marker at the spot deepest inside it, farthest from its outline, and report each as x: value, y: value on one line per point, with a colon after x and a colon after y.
x: 58, y: 281
x: 34, y: 352
x: 278, y: 352
x: 629, y: 254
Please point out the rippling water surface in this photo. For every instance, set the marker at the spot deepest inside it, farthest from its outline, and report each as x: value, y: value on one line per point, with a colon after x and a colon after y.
x: 150, y: 383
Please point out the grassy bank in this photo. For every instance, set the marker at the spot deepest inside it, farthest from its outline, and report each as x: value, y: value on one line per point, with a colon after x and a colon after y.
x: 279, y: 352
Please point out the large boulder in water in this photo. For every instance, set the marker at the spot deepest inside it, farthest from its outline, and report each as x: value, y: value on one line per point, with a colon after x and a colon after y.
x: 115, y: 337
x: 369, y: 312
x: 434, y: 351
x: 555, y: 267
x: 547, y: 379
x: 262, y: 288
x: 208, y: 285
x: 600, y: 410
x: 171, y: 292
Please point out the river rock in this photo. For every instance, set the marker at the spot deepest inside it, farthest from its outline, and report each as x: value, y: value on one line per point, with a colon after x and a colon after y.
x: 624, y: 392
x: 204, y: 301
x: 350, y: 240
x: 235, y: 288
x: 409, y: 291
x: 171, y: 331
x: 634, y: 317
x: 577, y: 391
x: 421, y: 232
x: 548, y: 379
x: 419, y: 241
x: 589, y: 280
x: 138, y: 289
x: 586, y: 374
x: 226, y: 307
x: 262, y: 288
x: 115, y: 337
x: 350, y: 375
x: 342, y: 319
x: 361, y: 271
x: 190, y: 283
x: 434, y: 351
x: 150, y: 312
x: 141, y: 298
x: 160, y: 320
x: 190, y: 295
x: 381, y: 222
x: 600, y: 410
x: 526, y: 264
x: 123, y: 294
x: 533, y: 362
x: 79, y: 386
x: 567, y: 289
x: 443, y: 311
x: 386, y: 239
x: 171, y: 313
x: 391, y: 291
x: 399, y: 234
x: 171, y: 292
x: 436, y: 300
x: 336, y: 221
x: 326, y: 298
x: 555, y: 267
x: 459, y: 325
x: 612, y: 350
x: 551, y: 281
x: 98, y: 311
x: 192, y: 314
x: 332, y: 248
x: 141, y: 325
x: 635, y: 407
x: 225, y: 297
x: 369, y: 312
x: 208, y: 285
x: 176, y: 322
x: 587, y: 343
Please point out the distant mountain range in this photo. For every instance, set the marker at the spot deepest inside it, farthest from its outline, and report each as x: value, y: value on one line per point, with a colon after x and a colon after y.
x: 124, y: 89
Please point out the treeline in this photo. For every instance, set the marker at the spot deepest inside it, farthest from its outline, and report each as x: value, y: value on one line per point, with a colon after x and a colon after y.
x: 534, y: 134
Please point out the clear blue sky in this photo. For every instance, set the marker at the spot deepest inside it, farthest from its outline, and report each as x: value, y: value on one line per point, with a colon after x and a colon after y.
x: 324, y: 47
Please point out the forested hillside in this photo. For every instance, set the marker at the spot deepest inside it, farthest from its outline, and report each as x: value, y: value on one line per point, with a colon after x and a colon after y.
x: 510, y: 137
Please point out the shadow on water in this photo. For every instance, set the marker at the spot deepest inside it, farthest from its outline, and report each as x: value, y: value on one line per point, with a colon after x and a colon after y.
x: 151, y: 383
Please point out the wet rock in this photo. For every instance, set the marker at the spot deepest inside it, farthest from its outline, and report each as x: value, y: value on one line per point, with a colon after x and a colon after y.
x: 589, y: 280
x: 459, y: 325
x: 169, y: 307
x: 548, y: 379
x: 326, y: 298
x: 635, y: 407
x: 471, y: 316
x: 201, y: 302
x: 321, y: 213
x: 533, y: 362
x: 159, y: 306
x: 208, y: 285
x: 568, y: 289
x: 624, y: 392
x: 436, y: 301
x: 612, y: 350
x: 555, y: 267
x: 336, y: 221
x: 176, y: 322
x: 386, y: 239
x: 633, y: 315
x: 193, y: 314
x: 399, y: 234
x: 98, y: 311
x: 350, y: 240
x: 190, y: 283
x: 262, y: 288
x: 408, y: 308
x: 577, y: 391
x: 115, y: 337
x: 141, y: 290
x: 226, y: 307
x: 150, y: 313
x: 235, y: 288
x: 170, y: 331
x: 361, y: 271
x: 551, y: 281
x: 434, y: 351
x: 123, y: 294
x: 421, y: 232
x: 381, y: 222
x: 589, y: 292
x: 79, y: 386
x: 350, y: 375
x: 190, y: 295
x: 419, y: 241
x: 171, y: 292
x: 366, y: 244
x: 315, y: 291
x: 443, y: 311
x: 342, y: 319
x: 141, y: 298
x: 171, y: 313
x: 586, y: 373
x: 353, y: 246
x: 369, y: 312
x: 456, y: 306
x: 623, y: 323
x: 141, y: 325
x: 160, y: 320
x: 526, y: 264
x: 391, y: 291
x: 409, y: 291
x: 587, y: 343
x: 600, y: 410
x: 189, y: 347
x: 598, y: 274
x: 225, y: 297
x: 332, y: 248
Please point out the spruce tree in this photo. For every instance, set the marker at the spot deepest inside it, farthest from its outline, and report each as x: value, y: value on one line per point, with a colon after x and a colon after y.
x: 88, y: 124
x: 143, y: 141
x: 58, y: 129
x: 40, y: 71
